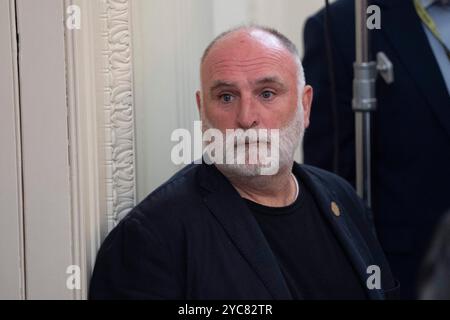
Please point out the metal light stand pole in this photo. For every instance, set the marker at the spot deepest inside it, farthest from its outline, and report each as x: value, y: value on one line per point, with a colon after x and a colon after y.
x: 364, y: 98
x: 364, y: 102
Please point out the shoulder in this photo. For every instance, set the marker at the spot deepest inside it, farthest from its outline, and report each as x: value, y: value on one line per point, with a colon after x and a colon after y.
x: 338, y: 186
x: 139, y: 257
x: 182, y: 184
x: 177, y: 195
x: 329, y: 179
x: 343, y: 192
x: 168, y: 208
x: 159, y: 220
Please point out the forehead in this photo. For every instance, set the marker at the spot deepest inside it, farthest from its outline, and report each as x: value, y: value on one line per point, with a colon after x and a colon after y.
x: 248, y: 55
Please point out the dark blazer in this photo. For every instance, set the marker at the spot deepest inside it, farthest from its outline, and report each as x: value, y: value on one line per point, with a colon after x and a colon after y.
x: 411, y: 128
x: 195, y: 238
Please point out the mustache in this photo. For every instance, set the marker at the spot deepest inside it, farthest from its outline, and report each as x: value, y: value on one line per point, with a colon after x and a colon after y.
x: 247, y: 137
x: 238, y: 137
x: 251, y: 136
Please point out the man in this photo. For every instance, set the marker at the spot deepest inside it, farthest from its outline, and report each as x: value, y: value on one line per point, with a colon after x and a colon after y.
x: 226, y: 231
x: 411, y: 127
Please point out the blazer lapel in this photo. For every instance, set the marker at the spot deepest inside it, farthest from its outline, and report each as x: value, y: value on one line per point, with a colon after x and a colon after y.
x: 232, y: 213
x: 408, y: 38
x: 346, y: 232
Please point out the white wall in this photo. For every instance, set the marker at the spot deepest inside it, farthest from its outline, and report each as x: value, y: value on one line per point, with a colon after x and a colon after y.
x: 169, y: 37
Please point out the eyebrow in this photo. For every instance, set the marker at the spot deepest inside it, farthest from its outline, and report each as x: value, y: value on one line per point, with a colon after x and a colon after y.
x: 271, y: 80
x: 266, y: 80
x: 221, y: 83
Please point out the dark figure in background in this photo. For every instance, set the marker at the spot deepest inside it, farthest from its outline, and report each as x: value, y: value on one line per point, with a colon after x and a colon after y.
x: 411, y: 128
x: 434, y: 282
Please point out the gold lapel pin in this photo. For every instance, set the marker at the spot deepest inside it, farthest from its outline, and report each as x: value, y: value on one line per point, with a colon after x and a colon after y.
x: 335, y: 209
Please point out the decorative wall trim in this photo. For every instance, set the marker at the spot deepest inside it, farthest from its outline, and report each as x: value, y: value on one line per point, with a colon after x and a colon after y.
x: 118, y: 108
x: 101, y: 126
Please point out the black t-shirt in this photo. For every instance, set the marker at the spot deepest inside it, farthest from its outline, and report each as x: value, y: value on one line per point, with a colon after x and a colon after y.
x: 310, y: 256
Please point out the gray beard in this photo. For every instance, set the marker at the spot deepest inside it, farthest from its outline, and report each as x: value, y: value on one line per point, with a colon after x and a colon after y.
x: 290, y: 138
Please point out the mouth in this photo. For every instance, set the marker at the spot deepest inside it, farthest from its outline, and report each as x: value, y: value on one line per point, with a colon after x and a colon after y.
x: 251, y: 143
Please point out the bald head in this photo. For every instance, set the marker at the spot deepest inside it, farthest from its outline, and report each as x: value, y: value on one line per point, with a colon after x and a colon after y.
x: 265, y: 36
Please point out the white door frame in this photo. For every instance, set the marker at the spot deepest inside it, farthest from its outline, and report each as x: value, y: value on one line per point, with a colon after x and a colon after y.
x: 12, y: 275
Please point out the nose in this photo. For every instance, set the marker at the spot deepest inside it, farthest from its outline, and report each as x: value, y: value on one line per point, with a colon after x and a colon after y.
x: 248, y: 116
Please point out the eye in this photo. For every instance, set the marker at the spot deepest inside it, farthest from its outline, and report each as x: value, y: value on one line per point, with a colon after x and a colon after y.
x: 226, y: 98
x: 267, y: 95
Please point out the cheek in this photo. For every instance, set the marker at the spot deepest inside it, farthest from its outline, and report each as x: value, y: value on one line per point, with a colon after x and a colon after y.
x: 219, y: 117
x: 286, y: 111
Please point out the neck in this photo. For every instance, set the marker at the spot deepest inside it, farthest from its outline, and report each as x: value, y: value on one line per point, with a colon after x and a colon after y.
x: 274, y: 191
